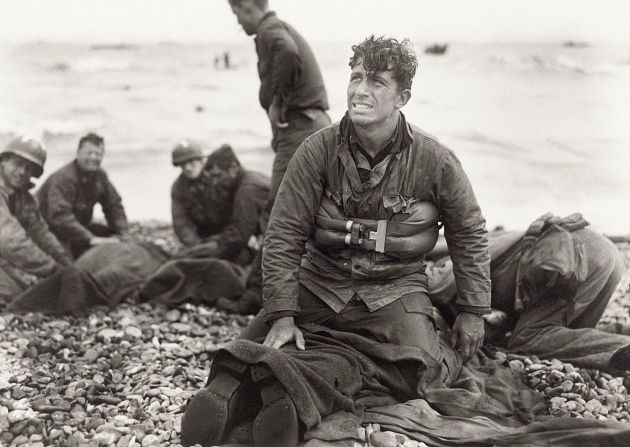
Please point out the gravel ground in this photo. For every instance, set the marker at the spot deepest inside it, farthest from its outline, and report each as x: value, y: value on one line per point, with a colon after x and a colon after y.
x: 121, y: 377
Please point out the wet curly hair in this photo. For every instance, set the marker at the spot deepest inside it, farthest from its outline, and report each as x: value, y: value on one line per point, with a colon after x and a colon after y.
x: 386, y: 53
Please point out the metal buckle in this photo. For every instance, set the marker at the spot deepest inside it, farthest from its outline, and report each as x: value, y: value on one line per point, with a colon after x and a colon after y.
x: 379, y: 236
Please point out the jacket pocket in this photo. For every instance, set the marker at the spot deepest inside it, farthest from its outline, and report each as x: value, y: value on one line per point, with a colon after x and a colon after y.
x: 396, y: 203
x: 417, y: 303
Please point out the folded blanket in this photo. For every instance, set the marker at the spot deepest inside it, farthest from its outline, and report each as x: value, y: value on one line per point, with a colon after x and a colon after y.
x: 105, y: 274
x: 69, y: 291
x: 343, y: 380
x: 197, y: 279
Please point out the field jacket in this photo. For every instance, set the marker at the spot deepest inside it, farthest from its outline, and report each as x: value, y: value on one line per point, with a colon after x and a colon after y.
x: 67, y: 200
x: 25, y: 241
x: 287, y: 68
x: 230, y: 217
x: 423, y: 170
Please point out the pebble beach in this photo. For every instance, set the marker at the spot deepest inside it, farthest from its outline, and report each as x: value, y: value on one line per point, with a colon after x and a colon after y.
x: 122, y: 376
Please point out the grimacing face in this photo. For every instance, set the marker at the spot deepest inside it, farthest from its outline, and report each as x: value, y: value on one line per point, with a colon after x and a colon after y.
x: 373, y: 97
x: 192, y: 168
x: 17, y: 171
x: 90, y: 156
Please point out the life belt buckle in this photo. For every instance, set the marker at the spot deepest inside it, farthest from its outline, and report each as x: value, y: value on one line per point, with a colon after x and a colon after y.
x: 379, y: 236
x: 355, y: 233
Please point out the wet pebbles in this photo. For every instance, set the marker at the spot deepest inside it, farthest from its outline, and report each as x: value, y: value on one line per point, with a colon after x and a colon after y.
x: 116, y: 377
x: 121, y: 377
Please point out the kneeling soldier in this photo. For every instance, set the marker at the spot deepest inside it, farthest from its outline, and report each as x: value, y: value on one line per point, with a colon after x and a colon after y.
x: 28, y: 250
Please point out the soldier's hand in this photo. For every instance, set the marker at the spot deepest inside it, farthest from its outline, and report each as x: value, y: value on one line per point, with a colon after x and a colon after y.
x: 282, y: 331
x: 103, y: 240
x: 126, y: 237
x: 467, y: 334
x: 275, y: 116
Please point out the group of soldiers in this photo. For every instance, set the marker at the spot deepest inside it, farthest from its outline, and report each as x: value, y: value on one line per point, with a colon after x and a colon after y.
x: 348, y: 216
x: 42, y: 234
x: 216, y: 203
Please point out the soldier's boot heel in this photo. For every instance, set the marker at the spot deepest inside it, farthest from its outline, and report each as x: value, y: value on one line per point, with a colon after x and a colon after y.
x: 277, y: 423
x: 214, y: 410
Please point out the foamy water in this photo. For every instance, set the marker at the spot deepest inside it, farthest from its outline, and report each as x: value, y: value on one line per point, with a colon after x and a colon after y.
x: 538, y: 127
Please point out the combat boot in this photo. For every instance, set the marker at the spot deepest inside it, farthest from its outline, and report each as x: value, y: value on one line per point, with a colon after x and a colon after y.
x: 277, y: 423
x: 227, y: 400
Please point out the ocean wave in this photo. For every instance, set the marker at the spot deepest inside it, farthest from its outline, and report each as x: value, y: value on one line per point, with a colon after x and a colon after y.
x: 566, y: 64
x: 199, y: 86
x: 554, y: 63
x: 115, y: 47
x: 52, y: 128
x: 7, y: 127
x: 99, y: 63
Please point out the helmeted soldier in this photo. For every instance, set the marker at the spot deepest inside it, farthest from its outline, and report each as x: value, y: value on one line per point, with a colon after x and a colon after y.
x: 216, y: 202
x: 68, y: 196
x: 28, y: 250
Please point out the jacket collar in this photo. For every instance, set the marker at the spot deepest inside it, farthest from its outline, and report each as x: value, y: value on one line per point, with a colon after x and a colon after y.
x: 81, y: 173
x: 266, y: 18
x: 346, y: 131
x: 4, y: 187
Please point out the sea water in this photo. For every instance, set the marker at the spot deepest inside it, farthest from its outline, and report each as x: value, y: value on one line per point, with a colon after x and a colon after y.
x: 538, y: 127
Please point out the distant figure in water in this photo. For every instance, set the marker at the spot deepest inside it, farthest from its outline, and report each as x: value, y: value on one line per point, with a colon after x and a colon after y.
x: 226, y: 60
x: 67, y: 199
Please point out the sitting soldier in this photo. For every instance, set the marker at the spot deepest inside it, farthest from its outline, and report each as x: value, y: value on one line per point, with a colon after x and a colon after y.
x: 550, y: 286
x: 216, y: 203
x: 68, y: 196
x: 28, y: 250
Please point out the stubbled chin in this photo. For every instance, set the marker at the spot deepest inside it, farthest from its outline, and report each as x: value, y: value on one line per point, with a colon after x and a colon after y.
x: 359, y: 115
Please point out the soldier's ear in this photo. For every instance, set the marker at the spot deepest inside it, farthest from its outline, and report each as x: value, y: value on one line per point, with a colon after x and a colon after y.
x: 403, y: 98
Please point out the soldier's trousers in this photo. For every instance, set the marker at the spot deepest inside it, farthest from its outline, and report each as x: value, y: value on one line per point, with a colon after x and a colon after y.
x: 564, y: 329
x: 286, y: 140
x: 284, y: 143
x: 408, y: 321
x: 13, y: 281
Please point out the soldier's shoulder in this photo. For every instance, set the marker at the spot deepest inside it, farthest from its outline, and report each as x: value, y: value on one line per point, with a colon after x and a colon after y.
x: 422, y: 135
x: 324, y: 136
x: 255, y: 178
x: 67, y: 171
x: 179, y: 184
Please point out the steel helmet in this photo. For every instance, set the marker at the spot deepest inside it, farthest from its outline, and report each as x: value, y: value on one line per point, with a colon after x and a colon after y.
x: 29, y: 149
x: 186, y: 150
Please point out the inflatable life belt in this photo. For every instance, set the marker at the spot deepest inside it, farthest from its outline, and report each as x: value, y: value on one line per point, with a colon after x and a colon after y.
x: 407, y: 235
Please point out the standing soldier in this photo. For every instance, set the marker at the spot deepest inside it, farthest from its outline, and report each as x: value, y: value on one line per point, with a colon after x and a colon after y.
x: 292, y: 92
x: 28, y: 250
x: 68, y: 196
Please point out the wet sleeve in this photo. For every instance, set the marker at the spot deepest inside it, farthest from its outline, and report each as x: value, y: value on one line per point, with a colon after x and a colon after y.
x: 287, y: 64
x: 245, y: 221
x: 290, y: 224
x: 17, y: 248
x: 184, y: 227
x: 466, y: 237
x: 113, y: 208
x: 41, y: 235
x: 61, y: 216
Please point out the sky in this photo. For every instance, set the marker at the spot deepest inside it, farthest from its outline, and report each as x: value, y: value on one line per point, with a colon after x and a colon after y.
x: 474, y: 21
